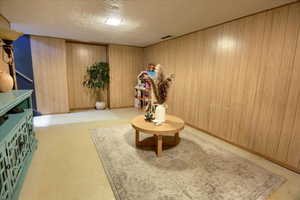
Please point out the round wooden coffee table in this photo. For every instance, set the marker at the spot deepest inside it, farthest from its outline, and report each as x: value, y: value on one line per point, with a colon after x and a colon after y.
x: 171, y: 126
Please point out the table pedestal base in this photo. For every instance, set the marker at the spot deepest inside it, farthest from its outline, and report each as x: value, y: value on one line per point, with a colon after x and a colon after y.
x: 158, y: 141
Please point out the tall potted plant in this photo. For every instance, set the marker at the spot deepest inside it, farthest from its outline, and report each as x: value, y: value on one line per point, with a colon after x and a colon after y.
x: 97, y: 79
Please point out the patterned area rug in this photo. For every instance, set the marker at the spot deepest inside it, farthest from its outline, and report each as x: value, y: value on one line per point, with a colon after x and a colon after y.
x: 194, y: 169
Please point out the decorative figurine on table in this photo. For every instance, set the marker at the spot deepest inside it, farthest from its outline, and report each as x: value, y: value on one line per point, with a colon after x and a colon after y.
x: 149, y: 117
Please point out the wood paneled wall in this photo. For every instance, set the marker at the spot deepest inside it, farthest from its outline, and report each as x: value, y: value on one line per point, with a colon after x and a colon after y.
x: 125, y: 64
x: 79, y: 57
x: 59, y: 68
x: 50, y: 74
x: 4, y: 23
x: 240, y: 81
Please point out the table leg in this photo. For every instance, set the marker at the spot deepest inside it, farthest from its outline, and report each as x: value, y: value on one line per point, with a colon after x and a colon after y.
x: 176, y: 138
x: 137, y: 137
x: 159, y: 145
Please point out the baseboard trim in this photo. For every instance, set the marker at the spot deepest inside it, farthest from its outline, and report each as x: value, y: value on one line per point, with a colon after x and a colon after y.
x: 121, y: 107
x: 247, y: 149
x: 81, y: 109
x: 55, y: 113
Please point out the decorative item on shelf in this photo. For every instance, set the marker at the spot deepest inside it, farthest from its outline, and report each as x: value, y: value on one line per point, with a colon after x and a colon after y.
x: 7, y: 37
x: 6, y: 82
x: 152, y: 71
x: 142, y: 91
x: 97, y: 78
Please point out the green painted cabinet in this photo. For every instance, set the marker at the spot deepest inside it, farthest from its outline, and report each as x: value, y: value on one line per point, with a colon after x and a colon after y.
x: 17, y: 142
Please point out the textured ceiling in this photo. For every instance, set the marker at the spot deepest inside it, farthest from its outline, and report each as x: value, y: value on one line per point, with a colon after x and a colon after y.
x: 144, y: 21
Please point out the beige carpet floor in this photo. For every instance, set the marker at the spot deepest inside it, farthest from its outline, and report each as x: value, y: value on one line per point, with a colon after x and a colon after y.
x: 66, y: 165
x: 194, y: 169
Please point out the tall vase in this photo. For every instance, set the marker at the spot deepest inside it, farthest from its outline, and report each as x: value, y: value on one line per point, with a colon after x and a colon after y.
x: 160, y: 114
x: 6, y: 82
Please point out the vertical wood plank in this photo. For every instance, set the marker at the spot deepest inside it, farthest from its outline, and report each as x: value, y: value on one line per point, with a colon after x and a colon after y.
x: 255, y: 29
x: 125, y: 64
x: 50, y: 74
x: 293, y: 88
x: 293, y: 156
x: 283, y: 78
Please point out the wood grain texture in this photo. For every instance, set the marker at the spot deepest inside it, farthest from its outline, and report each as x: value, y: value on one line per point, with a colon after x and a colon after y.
x: 4, y: 23
x: 50, y: 74
x: 240, y: 81
x: 79, y: 57
x: 172, y: 125
x: 125, y: 64
x: 293, y: 118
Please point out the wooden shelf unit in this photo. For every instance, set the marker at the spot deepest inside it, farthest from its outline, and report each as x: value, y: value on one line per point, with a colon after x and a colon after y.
x: 142, y: 97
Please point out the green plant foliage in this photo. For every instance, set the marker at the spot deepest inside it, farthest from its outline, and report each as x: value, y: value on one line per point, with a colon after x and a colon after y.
x: 97, y: 76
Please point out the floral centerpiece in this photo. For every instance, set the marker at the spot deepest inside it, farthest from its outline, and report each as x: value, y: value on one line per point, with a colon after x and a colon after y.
x: 159, y: 87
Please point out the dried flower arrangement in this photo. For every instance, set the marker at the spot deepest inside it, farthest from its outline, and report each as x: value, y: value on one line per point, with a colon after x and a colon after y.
x: 154, y: 80
x: 161, y: 85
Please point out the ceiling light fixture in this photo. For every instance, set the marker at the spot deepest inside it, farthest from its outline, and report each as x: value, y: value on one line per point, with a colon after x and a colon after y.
x: 113, y: 21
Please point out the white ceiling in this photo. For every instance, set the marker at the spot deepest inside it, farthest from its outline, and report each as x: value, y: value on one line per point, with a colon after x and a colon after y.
x: 144, y: 21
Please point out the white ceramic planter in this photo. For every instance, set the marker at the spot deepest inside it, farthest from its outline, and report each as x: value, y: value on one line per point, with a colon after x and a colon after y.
x: 100, y: 105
